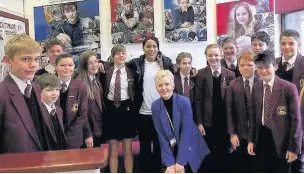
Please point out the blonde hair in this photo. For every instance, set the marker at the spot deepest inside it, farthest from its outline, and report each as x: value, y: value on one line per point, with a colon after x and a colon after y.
x: 19, y: 44
x: 160, y: 75
x: 247, y: 56
x: 214, y: 46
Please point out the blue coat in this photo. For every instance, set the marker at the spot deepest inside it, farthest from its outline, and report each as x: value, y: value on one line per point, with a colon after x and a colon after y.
x: 192, y: 147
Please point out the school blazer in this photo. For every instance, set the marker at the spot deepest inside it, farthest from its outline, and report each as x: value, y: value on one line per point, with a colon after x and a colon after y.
x: 286, y: 125
x: 76, y: 108
x: 298, y: 72
x: 192, y: 147
x: 236, y: 108
x: 204, y: 93
x: 17, y: 130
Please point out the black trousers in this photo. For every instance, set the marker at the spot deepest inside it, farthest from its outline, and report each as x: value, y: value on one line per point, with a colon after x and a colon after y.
x: 218, y: 159
x: 241, y: 161
x: 267, y: 160
x: 149, y: 154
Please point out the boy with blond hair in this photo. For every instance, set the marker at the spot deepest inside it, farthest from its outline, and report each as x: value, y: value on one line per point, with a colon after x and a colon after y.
x: 22, y: 125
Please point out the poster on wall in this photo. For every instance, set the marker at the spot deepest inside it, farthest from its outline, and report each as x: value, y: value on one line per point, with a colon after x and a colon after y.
x: 241, y: 19
x: 76, y: 24
x: 185, y: 20
x: 132, y: 20
x: 8, y: 28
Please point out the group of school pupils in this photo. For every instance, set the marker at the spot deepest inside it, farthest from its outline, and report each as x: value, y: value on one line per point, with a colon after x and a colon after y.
x: 246, y: 106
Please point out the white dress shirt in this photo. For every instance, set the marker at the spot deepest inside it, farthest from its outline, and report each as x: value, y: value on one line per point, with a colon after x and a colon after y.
x: 219, y: 70
x: 48, y: 107
x: 290, y: 62
x: 251, y: 81
x: 67, y: 82
x: 183, y: 80
x: 229, y: 64
x: 20, y: 83
x: 270, y: 83
x: 123, y: 85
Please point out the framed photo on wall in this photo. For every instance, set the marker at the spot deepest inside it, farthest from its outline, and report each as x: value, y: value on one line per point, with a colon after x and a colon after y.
x: 241, y: 19
x: 185, y: 20
x: 132, y: 20
x: 76, y: 24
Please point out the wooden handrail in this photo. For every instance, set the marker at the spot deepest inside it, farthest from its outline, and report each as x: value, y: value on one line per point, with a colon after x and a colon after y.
x: 55, y: 161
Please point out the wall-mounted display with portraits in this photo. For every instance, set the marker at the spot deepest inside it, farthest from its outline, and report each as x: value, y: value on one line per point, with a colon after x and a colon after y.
x: 132, y: 20
x: 241, y: 19
x: 185, y: 20
x: 76, y: 24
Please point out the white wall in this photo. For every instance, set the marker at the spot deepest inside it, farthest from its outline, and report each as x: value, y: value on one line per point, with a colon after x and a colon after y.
x: 134, y: 50
x: 12, y: 6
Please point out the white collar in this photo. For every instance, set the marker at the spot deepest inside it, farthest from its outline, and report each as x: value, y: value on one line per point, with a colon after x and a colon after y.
x: 67, y: 82
x: 183, y: 77
x: 270, y: 83
x: 251, y: 79
x: 121, y: 69
x: 20, y: 83
x: 291, y: 61
x: 229, y: 64
x: 219, y: 70
x: 91, y: 77
x: 49, y: 108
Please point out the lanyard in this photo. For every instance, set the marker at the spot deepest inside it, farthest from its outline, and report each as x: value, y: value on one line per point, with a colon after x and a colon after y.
x: 171, y: 125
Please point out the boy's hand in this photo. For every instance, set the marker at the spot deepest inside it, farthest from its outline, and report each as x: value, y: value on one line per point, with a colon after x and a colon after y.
x: 234, y: 141
x: 201, y: 129
x: 250, y: 148
x: 89, y: 142
x: 290, y: 156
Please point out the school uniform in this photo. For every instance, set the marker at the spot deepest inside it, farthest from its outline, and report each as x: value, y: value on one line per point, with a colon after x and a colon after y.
x: 73, y: 101
x: 238, y: 100
x: 274, y: 124
x: 95, y: 111
x: 292, y: 71
x: 119, y: 119
x: 234, y: 67
x: 210, y: 92
x: 22, y: 124
x: 184, y: 85
x: 56, y: 129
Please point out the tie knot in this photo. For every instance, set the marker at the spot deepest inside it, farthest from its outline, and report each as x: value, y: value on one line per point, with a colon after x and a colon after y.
x: 94, y: 80
x: 285, y: 63
x: 267, y: 86
x: 247, y: 82
x: 186, y: 78
x: 63, y: 87
x: 215, y: 73
x: 53, y: 112
x: 28, y: 89
x: 232, y: 66
x: 118, y: 71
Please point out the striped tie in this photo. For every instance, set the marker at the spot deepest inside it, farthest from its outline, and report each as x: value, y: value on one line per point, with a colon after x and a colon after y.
x: 117, y: 90
x: 186, y: 87
x: 27, y: 91
x: 267, y: 102
x: 247, y: 97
